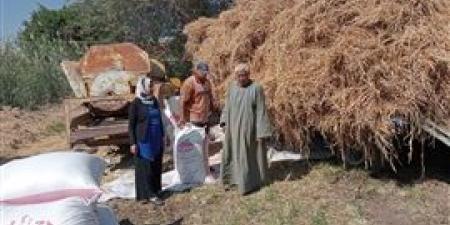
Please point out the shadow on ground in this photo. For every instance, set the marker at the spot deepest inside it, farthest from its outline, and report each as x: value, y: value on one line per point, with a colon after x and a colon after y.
x: 436, y: 166
x: 288, y: 170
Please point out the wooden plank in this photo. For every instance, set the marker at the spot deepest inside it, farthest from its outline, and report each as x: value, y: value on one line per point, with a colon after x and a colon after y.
x: 78, y: 113
x: 80, y: 120
x: 98, y: 131
x: 107, y: 122
x: 105, y: 98
x: 105, y: 142
x: 67, y: 122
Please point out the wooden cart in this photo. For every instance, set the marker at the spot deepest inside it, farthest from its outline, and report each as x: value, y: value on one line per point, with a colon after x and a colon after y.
x: 97, y: 121
x: 103, y: 121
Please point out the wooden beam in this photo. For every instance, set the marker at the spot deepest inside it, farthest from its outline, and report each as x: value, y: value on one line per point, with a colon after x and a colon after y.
x: 104, y: 142
x: 80, y: 120
x: 98, y: 131
x: 101, y: 99
x: 67, y: 122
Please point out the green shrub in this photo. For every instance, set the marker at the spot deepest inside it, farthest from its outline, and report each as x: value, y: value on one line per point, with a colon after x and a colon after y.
x: 31, y: 77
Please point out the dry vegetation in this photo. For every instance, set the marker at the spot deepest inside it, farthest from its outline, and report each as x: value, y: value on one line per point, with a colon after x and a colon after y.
x: 344, y: 68
x: 325, y: 195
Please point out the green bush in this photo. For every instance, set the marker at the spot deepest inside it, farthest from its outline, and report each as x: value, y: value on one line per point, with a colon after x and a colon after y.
x: 31, y: 77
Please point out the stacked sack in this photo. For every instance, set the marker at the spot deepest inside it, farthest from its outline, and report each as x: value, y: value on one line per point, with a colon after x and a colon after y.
x: 57, y: 188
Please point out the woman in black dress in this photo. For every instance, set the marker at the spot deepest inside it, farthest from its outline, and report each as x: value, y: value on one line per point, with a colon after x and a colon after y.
x: 146, y: 132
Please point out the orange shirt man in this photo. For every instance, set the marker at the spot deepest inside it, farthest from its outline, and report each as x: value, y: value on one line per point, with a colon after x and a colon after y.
x: 197, y: 103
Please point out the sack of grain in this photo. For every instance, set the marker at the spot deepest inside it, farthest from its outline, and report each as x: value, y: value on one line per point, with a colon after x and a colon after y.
x: 188, y: 154
x: 50, y: 177
x: 69, y: 211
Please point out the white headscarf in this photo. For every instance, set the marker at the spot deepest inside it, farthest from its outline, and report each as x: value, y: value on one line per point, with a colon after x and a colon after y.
x: 242, y: 68
x: 142, y: 88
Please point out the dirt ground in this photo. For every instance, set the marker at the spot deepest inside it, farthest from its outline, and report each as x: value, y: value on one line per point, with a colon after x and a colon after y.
x: 24, y: 133
x: 315, y: 193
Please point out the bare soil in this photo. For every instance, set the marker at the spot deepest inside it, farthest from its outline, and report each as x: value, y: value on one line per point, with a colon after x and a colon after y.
x: 24, y: 133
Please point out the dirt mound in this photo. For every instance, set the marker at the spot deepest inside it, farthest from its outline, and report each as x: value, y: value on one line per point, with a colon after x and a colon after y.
x: 344, y: 68
x: 19, y: 127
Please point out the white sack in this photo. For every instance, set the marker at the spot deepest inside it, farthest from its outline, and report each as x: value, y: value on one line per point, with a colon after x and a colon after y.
x: 49, y: 177
x: 188, y: 155
x: 70, y: 211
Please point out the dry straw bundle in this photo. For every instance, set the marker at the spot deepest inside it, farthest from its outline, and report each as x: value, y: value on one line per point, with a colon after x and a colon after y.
x: 344, y: 68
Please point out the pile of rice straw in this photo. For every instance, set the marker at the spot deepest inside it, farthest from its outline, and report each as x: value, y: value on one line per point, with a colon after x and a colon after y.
x: 344, y: 68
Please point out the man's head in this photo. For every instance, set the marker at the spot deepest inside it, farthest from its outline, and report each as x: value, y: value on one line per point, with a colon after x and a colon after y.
x: 201, y: 70
x: 242, y: 73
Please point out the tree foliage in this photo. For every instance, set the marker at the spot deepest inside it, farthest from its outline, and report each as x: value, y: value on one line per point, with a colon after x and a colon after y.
x: 30, y: 72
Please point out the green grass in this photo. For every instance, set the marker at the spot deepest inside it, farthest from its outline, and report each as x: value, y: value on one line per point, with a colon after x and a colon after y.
x: 319, y: 218
x: 56, y: 127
